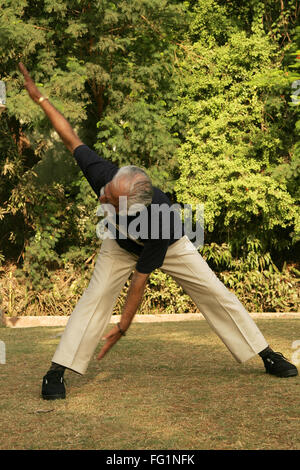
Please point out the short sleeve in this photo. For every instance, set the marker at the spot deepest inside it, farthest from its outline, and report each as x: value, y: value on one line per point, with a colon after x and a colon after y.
x: 97, y: 170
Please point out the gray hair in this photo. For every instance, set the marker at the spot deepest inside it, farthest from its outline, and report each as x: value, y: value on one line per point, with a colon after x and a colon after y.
x: 137, y: 183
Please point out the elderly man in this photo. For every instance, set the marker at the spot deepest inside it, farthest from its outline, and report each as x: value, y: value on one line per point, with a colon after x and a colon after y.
x: 119, y: 257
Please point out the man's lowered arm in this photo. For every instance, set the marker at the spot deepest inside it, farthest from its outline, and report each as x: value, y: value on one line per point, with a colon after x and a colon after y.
x: 132, y: 303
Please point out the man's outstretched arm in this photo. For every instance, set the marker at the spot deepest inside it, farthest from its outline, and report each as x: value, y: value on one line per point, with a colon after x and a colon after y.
x: 59, y: 122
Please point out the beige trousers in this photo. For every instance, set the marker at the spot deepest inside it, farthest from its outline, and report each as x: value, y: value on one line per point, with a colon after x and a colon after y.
x: 222, y: 310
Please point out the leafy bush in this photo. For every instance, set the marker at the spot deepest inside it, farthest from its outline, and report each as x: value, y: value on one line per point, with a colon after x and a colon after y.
x: 197, y: 92
x: 259, y: 290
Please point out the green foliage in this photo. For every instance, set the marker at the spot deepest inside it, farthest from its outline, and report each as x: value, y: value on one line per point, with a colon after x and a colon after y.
x: 238, y: 130
x: 289, y: 170
x: 264, y: 291
x: 254, y: 278
x: 196, y: 92
x: 96, y: 60
x: 64, y: 234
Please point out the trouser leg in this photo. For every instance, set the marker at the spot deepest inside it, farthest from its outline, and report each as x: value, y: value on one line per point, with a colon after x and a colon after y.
x: 93, y: 311
x: 221, y: 308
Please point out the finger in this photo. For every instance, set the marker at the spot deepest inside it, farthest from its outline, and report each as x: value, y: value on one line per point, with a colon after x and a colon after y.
x: 101, y: 355
x: 109, y: 344
x: 103, y: 351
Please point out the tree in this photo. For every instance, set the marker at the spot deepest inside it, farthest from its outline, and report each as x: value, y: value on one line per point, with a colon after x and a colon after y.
x: 239, y: 129
x: 107, y: 65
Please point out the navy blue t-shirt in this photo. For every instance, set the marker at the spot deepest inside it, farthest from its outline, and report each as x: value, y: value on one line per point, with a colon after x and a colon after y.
x: 163, y: 227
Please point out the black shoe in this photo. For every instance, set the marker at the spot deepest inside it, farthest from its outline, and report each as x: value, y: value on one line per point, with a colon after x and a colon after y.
x: 53, y: 386
x: 277, y: 364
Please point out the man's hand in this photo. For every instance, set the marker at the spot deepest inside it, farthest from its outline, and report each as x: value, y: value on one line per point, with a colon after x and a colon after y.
x: 29, y: 84
x: 111, y: 338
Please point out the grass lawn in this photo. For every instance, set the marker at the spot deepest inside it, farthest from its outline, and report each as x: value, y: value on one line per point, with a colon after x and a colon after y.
x: 164, y: 386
